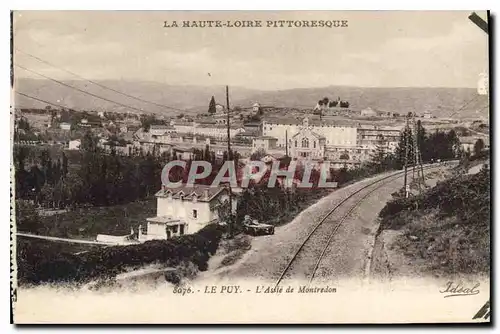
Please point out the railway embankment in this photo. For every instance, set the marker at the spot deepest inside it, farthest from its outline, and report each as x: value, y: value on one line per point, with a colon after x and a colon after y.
x: 442, y: 233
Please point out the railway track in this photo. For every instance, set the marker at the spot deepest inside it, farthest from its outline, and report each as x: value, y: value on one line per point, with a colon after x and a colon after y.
x: 314, y: 247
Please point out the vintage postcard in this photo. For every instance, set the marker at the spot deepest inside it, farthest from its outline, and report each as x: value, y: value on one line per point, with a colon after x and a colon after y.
x: 250, y: 167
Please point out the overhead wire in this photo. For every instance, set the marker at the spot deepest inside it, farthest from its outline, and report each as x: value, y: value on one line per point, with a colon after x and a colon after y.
x: 99, y: 84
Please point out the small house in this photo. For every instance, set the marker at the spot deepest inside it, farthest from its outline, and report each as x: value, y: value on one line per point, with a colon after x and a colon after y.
x: 185, y: 210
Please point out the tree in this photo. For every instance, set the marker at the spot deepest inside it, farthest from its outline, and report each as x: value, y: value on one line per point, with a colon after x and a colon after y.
x: 478, y: 147
x: 147, y: 121
x: 344, y: 104
x: 27, y: 218
x: 211, y: 106
x: 64, y: 165
x: 344, y: 156
x: 406, y: 138
x: 257, y: 155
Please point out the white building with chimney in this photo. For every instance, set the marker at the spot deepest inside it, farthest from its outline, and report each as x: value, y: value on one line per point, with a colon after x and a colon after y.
x: 185, y: 210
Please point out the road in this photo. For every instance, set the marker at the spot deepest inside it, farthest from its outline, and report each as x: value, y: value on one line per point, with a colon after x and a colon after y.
x: 74, y: 241
x: 350, y: 248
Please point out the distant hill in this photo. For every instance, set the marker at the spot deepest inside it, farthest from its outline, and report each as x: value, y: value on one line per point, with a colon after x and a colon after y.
x: 195, y: 99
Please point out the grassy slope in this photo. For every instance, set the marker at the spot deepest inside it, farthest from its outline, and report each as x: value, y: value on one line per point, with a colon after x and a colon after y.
x: 449, y: 232
x: 88, y: 222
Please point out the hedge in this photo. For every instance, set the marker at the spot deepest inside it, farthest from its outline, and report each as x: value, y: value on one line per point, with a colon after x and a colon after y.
x: 43, y: 262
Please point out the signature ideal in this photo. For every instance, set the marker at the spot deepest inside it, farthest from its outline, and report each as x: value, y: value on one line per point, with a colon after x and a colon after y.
x: 453, y: 290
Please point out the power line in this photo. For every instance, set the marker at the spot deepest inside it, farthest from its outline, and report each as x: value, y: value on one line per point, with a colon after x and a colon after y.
x: 464, y: 106
x: 485, y: 107
x: 98, y: 84
x: 40, y: 100
x: 78, y: 89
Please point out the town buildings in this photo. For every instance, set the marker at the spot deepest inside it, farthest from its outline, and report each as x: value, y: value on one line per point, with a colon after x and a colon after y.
x: 369, y: 112
x: 264, y: 143
x: 330, y: 139
x: 467, y: 143
x: 65, y: 126
x: 427, y: 114
x: 159, y: 130
x: 74, y: 144
x: 213, y: 130
x: 307, y: 144
x: 335, y: 133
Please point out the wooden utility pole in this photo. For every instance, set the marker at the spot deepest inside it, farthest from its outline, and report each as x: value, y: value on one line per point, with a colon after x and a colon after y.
x: 406, y: 156
x: 229, y: 157
x: 415, y: 152
x: 286, y: 143
x: 420, y: 155
x: 228, y: 127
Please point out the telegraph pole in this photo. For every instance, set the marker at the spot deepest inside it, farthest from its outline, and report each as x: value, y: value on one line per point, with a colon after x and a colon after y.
x: 229, y: 157
x: 420, y: 155
x: 406, y: 156
x: 415, y: 152
x: 228, y: 127
x: 286, y: 143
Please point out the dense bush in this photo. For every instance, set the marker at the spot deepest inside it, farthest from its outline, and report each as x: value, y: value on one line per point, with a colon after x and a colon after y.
x: 465, y: 196
x: 40, y: 262
x: 447, y: 229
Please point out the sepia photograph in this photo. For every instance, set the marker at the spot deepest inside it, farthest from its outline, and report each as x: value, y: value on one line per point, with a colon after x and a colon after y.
x: 250, y: 167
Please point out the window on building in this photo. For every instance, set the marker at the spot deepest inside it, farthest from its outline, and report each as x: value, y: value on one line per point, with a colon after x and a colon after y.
x: 295, y: 143
x: 305, y: 142
x: 315, y: 144
x: 195, y: 214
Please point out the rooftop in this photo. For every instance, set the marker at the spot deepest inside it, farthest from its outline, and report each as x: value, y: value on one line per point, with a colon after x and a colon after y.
x: 266, y: 138
x: 164, y: 220
x: 331, y: 121
x: 161, y: 126
x: 318, y: 136
x: 473, y: 139
x: 203, y: 193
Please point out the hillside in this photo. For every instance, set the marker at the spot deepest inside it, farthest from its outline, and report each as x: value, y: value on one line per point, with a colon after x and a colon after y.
x: 444, y: 233
x: 194, y: 99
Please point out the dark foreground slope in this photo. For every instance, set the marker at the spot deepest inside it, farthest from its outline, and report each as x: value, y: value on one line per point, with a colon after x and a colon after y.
x: 443, y: 233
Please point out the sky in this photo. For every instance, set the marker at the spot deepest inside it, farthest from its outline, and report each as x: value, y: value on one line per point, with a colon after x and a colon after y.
x: 377, y: 49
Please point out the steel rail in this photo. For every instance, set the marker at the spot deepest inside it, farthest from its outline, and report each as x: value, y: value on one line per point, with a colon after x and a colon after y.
x: 308, y: 237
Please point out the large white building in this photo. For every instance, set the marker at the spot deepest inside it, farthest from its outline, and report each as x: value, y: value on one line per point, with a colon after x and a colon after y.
x: 335, y: 140
x: 212, y: 130
x: 184, y: 210
x: 370, y: 136
x: 308, y: 145
x: 335, y: 134
x: 160, y: 129
x: 74, y: 144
